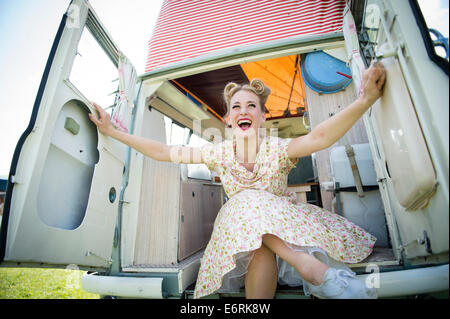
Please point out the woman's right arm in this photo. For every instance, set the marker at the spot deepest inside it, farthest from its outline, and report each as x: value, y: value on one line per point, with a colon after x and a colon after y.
x: 154, y: 149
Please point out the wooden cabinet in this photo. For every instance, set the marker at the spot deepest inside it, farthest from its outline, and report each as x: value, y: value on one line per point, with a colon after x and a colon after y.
x: 199, y: 205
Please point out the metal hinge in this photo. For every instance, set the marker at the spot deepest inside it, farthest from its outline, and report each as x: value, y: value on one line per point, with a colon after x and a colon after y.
x: 419, y: 241
x: 90, y: 253
x: 14, y: 179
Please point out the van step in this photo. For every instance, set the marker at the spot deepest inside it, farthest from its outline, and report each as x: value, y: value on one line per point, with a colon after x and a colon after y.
x: 380, y: 256
x: 283, y: 292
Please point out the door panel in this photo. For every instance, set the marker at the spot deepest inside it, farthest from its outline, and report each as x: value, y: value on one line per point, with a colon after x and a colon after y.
x: 62, y: 197
x: 408, y: 130
x: 408, y: 163
x: 72, y: 155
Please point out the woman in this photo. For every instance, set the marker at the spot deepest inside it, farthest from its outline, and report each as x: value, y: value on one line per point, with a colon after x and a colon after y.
x: 261, y: 220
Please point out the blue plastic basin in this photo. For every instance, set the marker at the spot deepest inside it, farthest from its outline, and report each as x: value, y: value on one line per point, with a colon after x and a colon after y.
x: 320, y: 72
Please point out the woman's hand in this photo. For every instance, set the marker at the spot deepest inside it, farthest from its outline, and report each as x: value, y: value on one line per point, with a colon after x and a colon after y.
x: 331, y: 130
x: 154, y: 149
x: 103, y: 122
x: 372, y: 83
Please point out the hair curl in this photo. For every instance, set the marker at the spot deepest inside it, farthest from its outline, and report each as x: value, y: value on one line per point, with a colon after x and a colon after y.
x: 256, y: 86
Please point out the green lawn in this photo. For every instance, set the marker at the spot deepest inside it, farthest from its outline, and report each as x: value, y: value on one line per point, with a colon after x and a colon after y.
x: 30, y: 283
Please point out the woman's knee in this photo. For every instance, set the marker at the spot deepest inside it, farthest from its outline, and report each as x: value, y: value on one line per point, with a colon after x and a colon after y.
x: 263, y: 254
x: 274, y: 243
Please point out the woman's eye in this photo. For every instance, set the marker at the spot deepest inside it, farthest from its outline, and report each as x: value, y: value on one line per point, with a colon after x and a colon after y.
x: 252, y: 105
x: 234, y: 106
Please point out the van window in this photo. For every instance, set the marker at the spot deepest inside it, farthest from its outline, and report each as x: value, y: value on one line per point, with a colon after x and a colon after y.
x: 175, y: 133
x: 432, y: 19
x: 369, y: 30
x: 435, y: 14
x: 93, y: 73
x: 196, y: 141
x: 432, y: 39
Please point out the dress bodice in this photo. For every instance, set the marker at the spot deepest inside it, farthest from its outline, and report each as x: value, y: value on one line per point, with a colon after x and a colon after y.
x: 270, y: 171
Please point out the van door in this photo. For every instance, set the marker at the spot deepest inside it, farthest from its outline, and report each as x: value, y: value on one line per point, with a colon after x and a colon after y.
x: 65, y: 178
x: 407, y: 127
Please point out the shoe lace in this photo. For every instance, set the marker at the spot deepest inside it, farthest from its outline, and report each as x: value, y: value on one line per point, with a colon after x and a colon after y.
x: 342, y: 276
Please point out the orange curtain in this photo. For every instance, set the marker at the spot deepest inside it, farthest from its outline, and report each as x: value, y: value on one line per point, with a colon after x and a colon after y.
x: 278, y: 74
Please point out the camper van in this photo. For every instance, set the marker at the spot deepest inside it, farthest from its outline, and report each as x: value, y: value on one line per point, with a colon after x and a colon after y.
x: 77, y: 198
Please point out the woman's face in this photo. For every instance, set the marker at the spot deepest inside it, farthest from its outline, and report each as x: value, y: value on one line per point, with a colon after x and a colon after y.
x: 245, y: 116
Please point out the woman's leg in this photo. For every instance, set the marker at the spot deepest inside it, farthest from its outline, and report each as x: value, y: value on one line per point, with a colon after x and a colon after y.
x: 310, y: 268
x: 261, y: 277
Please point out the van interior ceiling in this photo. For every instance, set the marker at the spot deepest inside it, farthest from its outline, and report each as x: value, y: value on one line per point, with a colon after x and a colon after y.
x: 282, y: 75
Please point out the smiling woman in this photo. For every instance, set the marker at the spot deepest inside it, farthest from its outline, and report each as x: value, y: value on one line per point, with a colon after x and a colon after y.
x: 246, y: 105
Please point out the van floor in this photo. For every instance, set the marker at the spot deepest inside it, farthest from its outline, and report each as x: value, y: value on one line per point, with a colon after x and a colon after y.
x: 381, y: 256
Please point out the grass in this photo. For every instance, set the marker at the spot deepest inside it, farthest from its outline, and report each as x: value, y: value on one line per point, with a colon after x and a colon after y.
x: 36, y: 283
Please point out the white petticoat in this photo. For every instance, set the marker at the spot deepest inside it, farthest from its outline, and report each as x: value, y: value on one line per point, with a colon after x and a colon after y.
x: 234, y: 280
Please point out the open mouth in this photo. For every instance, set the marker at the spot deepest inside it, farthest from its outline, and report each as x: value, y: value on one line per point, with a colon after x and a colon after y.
x: 244, y: 124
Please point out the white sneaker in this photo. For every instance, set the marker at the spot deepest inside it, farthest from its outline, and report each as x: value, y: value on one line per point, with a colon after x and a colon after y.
x: 341, y: 284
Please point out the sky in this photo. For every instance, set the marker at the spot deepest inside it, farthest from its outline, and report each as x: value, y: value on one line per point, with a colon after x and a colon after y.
x: 27, y: 30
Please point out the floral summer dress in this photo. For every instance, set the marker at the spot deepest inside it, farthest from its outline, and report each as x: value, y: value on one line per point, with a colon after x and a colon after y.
x: 259, y: 204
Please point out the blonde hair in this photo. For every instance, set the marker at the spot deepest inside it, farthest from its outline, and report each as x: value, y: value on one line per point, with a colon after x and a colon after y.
x: 256, y: 86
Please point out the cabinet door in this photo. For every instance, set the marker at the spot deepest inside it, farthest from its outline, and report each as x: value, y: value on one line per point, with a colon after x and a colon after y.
x: 190, y: 220
x: 211, y: 203
x: 198, y: 210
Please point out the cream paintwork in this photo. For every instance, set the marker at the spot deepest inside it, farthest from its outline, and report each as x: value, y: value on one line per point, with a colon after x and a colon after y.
x: 133, y: 190
x: 29, y: 238
x: 428, y: 90
x: 306, y: 44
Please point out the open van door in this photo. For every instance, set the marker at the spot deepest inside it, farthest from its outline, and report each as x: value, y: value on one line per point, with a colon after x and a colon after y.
x: 408, y: 126
x: 65, y: 178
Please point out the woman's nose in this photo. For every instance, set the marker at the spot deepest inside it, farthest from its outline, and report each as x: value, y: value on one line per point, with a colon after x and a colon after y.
x: 243, y: 110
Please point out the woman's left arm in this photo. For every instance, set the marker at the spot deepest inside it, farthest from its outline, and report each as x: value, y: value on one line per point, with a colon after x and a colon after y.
x: 330, y: 131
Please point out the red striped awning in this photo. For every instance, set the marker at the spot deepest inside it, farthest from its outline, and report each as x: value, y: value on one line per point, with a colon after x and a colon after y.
x: 190, y: 28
